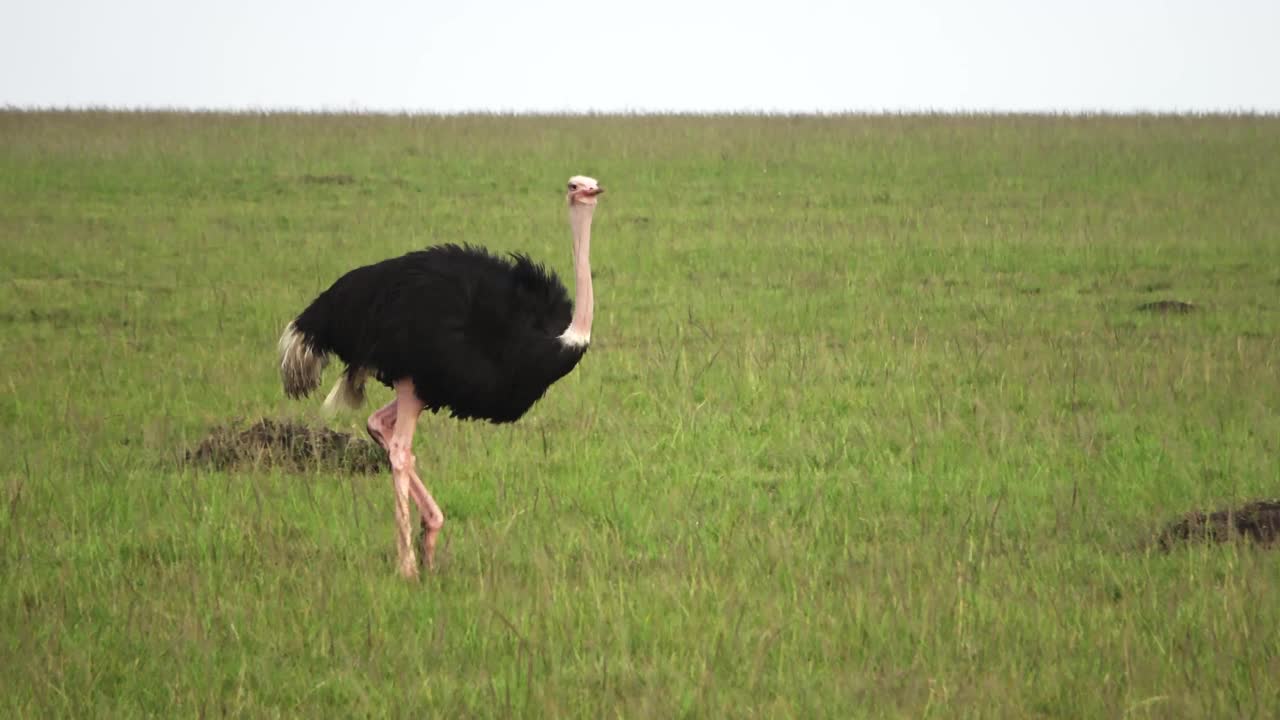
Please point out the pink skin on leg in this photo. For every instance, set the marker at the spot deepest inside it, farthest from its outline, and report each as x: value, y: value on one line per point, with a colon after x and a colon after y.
x: 407, y: 407
x: 380, y: 426
x: 381, y: 423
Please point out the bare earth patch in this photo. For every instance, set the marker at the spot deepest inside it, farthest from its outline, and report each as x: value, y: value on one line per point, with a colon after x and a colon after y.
x: 1167, y: 307
x: 1257, y: 521
x: 288, y: 445
x: 333, y: 179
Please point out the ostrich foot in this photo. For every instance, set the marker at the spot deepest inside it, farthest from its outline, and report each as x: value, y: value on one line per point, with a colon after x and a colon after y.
x: 427, y: 541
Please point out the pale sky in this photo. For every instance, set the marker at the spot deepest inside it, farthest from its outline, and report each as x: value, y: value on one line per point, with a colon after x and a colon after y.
x: 718, y: 55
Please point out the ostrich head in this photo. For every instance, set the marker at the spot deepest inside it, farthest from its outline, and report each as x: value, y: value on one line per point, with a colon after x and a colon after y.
x: 583, y: 190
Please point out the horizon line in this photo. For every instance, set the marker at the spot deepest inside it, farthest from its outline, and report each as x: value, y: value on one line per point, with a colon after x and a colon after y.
x: 259, y: 111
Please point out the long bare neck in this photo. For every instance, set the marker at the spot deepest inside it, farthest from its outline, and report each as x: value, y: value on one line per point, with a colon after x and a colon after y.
x: 578, y: 333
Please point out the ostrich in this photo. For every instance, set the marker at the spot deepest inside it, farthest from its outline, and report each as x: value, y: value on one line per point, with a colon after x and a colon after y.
x: 450, y: 327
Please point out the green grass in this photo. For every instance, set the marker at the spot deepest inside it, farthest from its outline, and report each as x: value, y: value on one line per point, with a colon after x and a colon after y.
x: 871, y: 426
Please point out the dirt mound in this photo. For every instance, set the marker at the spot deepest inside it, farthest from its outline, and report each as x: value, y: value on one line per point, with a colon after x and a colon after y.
x: 1165, y: 307
x: 334, y: 179
x: 288, y: 445
x: 1257, y: 521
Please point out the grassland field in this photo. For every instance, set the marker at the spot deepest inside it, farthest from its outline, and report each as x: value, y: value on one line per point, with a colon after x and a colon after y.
x: 871, y: 426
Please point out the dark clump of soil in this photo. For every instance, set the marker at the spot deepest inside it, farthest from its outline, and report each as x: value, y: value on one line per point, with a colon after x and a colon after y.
x: 1257, y: 521
x: 289, y: 445
x: 1167, y: 307
x: 335, y: 179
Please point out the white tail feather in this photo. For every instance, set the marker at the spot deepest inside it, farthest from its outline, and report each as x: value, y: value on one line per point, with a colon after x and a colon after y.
x: 346, y: 393
x: 300, y: 366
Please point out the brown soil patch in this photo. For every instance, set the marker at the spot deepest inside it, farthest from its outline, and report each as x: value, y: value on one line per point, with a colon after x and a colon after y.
x: 1257, y: 521
x: 335, y: 179
x: 1167, y: 307
x: 289, y: 445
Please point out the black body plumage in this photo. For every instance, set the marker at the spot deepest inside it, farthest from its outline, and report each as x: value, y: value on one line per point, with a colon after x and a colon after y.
x: 477, y: 333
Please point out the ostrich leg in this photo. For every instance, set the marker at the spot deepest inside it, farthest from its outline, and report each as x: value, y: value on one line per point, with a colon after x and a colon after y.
x: 381, y: 422
x: 380, y: 426
x: 404, y: 475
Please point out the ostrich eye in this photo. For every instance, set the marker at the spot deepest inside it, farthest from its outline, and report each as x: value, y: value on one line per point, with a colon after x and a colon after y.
x: 573, y: 186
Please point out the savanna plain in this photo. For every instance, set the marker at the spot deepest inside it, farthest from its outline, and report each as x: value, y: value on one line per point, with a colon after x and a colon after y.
x: 872, y: 425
